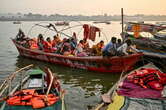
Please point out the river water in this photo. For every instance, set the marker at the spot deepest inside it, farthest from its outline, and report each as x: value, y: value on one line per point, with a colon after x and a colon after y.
x: 83, y: 87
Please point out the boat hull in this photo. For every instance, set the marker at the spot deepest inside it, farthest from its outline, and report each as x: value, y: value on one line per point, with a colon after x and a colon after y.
x: 93, y: 63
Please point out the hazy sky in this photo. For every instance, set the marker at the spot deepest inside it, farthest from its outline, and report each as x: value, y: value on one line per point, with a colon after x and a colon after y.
x: 85, y: 7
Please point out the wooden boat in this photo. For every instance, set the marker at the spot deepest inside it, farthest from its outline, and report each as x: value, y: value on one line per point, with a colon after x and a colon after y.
x: 16, y: 22
x: 145, y: 43
x: 93, y: 63
x: 160, y: 36
x: 35, y: 90
x: 149, y: 44
x: 62, y: 23
x: 127, y: 95
x: 106, y: 22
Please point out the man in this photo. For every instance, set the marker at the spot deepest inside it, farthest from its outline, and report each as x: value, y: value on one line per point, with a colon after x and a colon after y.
x: 122, y: 50
x: 110, y: 48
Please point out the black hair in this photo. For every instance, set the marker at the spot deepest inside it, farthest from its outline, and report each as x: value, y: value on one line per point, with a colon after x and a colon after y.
x: 128, y: 41
x: 48, y: 38
x: 113, y: 39
x: 101, y: 41
x: 119, y: 40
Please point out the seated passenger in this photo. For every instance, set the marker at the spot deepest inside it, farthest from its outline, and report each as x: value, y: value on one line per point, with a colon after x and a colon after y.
x: 33, y: 44
x: 48, y: 45
x: 56, y: 41
x: 122, y: 50
x: 97, y: 49
x: 86, y: 45
x: 40, y: 42
x: 79, y: 51
x: 73, y: 44
x: 119, y: 43
x: 110, y: 48
x: 66, y: 48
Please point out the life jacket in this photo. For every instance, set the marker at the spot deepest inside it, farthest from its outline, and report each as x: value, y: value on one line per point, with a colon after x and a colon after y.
x: 21, y: 97
x: 33, y: 44
x: 41, y: 101
x: 30, y: 98
x: 148, y: 78
x: 47, y: 47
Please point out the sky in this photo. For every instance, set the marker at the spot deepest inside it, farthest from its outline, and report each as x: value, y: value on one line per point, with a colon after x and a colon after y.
x: 84, y: 7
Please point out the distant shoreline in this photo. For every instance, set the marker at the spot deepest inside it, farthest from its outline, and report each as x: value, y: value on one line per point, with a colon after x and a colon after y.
x: 59, y: 17
x: 6, y: 20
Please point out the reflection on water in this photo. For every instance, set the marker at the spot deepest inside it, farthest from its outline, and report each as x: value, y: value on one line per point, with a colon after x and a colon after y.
x: 83, y: 87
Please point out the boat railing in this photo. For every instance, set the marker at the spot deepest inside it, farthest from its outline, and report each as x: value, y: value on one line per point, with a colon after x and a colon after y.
x: 13, y: 82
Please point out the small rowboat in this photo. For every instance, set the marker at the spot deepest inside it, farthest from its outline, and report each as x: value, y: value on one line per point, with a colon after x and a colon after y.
x: 149, y: 93
x: 36, y: 90
x: 114, y: 64
x: 16, y: 22
x: 62, y: 23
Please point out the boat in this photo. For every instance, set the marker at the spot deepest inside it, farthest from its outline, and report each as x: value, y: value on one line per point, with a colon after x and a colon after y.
x: 161, y: 36
x: 62, y: 23
x: 115, y: 64
x: 141, y: 89
x: 106, y: 22
x: 34, y: 89
x: 16, y: 22
x: 145, y: 43
x: 93, y: 63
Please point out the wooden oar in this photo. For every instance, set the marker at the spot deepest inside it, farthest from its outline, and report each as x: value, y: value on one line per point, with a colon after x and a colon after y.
x: 11, y: 76
x: 111, y: 92
x: 62, y: 98
x: 51, y: 82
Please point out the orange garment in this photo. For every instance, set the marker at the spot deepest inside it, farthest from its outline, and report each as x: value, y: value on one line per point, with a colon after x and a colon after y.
x: 136, y: 29
x: 33, y: 44
x: 55, y: 42
x: 92, y: 32
x: 86, y: 31
x: 97, y: 49
x: 48, y: 46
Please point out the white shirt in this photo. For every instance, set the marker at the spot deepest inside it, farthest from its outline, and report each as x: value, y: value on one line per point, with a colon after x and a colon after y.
x: 123, y: 48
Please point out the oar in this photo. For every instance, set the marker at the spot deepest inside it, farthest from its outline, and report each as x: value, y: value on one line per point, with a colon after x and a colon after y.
x: 51, y: 82
x: 111, y: 92
x: 62, y: 98
x: 11, y: 76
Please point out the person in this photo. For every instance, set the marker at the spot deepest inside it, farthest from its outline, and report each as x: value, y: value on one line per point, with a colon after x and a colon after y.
x: 40, y: 42
x: 86, y: 44
x: 119, y: 43
x: 97, y: 49
x: 110, y: 48
x: 33, y: 43
x: 66, y: 48
x: 73, y: 44
x: 79, y: 51
x: 48, y: 45
x: 56, y: 40
x: 122, y: 50
x: 20, y: 36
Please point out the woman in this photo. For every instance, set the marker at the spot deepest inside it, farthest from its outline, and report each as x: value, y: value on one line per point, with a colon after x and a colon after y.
x: 79, y: 51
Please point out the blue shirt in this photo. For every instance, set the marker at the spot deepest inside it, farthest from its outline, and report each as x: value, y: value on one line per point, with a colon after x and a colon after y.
x: 109, y: 46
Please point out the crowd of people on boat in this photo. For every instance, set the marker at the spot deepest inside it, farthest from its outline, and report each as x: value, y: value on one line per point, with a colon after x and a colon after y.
x: 70, y: 46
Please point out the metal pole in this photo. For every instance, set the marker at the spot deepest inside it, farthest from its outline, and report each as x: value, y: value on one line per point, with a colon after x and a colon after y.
x: 122, y: 24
